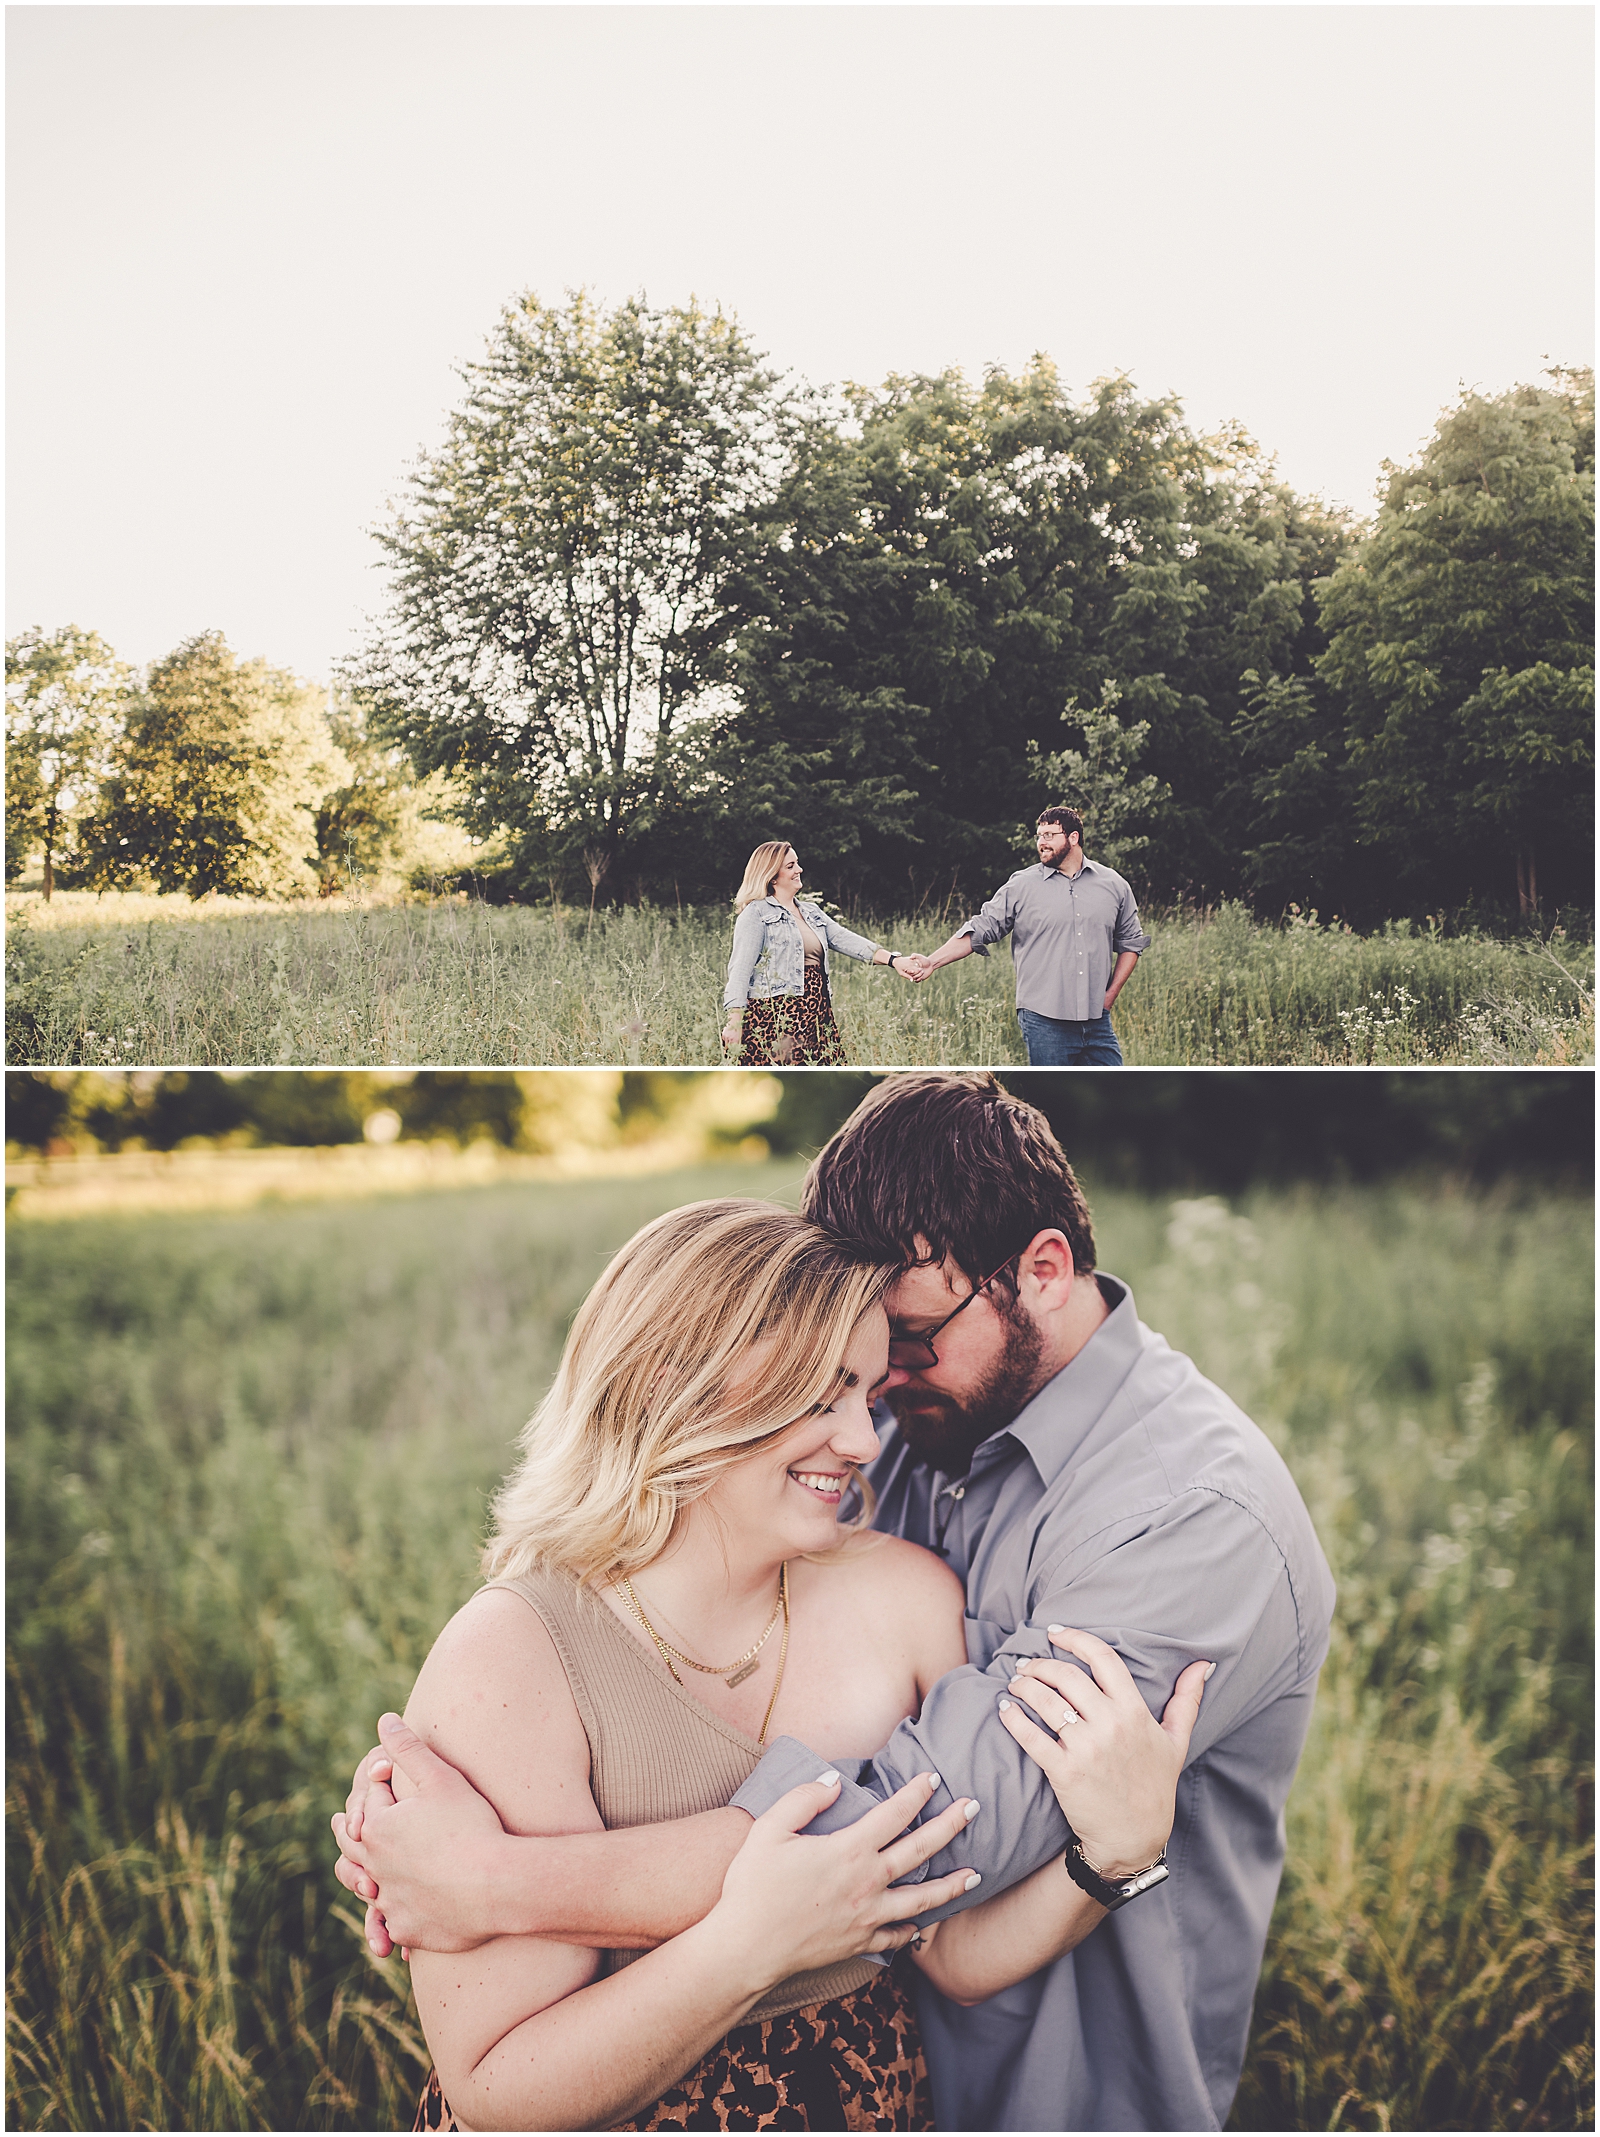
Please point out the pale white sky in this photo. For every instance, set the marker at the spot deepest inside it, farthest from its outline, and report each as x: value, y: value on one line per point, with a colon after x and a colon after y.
x: 246, y: 245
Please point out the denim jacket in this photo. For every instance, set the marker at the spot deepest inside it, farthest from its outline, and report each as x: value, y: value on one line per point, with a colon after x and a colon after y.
x: 769, y: 958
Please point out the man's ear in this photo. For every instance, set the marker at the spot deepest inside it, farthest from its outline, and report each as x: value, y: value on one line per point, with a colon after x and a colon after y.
x: 1046, y: 1270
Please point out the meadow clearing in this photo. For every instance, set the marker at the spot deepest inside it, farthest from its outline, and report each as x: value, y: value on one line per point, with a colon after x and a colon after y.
x: 246, y: 1474
x: 122, y: 980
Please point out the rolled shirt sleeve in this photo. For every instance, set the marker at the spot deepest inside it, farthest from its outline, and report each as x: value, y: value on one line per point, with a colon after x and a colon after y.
x: 749, y: 933
x: 1127, y: 933
x: 992, y: 920
x: 1203, y: 1582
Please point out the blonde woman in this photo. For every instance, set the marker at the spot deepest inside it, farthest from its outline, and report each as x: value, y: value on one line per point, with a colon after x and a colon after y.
x: 778, y: 1003
x: 670, y: 1586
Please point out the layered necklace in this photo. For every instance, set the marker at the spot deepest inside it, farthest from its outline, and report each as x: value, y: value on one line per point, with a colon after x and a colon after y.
x: 732, y: 1673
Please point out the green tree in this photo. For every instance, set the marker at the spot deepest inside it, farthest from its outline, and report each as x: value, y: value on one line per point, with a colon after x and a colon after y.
x: 918, y: 622
x: 1221, y: 590
x: 1294, y: 809
x: 1461, y: 641
x: 67, y: 698
x: 1098, y: 782
x: 956, y: 563
x: 562, y: 571
x: 218, y: 779
x: 382, y: 823
x: 825, y: 741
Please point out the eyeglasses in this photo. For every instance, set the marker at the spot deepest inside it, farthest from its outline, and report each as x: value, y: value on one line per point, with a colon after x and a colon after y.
x: 914, y: 1354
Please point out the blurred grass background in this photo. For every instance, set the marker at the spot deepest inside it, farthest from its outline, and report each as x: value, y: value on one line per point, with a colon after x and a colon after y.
x: 107, y: 983
x: 247, y: 1463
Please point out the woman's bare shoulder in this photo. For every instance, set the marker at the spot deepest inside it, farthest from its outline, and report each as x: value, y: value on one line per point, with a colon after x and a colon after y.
x: 914, y: 1603
x: 493, y: 1698
x: 890, y: 1572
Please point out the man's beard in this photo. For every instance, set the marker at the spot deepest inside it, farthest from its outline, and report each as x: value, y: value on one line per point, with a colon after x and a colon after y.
x: 943, y: 1430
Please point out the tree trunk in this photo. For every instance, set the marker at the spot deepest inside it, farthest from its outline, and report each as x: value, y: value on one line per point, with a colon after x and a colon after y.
x: 49, y: 855
x: 1527, y: 885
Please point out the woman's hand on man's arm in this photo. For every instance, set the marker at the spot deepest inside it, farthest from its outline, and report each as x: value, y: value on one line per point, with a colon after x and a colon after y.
x: 1104, y: 1753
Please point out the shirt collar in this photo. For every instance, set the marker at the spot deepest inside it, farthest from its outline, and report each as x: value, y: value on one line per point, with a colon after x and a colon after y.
x: 1054, y: 1425
x: 1044, y: 870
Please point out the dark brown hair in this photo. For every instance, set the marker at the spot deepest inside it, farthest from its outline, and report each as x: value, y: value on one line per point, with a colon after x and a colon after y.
x: 933, y: 1164
x: 1068, y: 819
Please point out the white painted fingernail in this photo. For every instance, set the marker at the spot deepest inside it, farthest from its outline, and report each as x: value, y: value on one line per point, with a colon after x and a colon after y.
x: 973, y: 1808
x: 1211, y: 1671
x: 1052, y: 1630
x: 826, y: 1780
x: 972, y: 1883
x: 933, y: 1780
x: 1004, y: 1704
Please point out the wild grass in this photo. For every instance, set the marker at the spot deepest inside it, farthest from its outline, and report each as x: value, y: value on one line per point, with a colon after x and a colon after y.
x: 451, y: 983
x: 247, y: 1467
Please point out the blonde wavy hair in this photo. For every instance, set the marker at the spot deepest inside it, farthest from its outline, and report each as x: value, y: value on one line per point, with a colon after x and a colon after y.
x: 654, y: 1400
x: 761, y: 872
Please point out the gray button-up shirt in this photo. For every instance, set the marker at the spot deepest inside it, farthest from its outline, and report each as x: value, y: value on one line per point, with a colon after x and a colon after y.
x: 1132, y: 1499
x: 1067, y: 933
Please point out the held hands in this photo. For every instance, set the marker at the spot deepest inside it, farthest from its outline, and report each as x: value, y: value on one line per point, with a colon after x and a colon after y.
x: 399, y: 1845
x: 792, y: 1900
x: 1113, y: 1767
x: 911, y: 965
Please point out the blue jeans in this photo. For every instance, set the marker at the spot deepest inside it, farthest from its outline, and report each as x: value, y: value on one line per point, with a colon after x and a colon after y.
x: 1066, y: 1042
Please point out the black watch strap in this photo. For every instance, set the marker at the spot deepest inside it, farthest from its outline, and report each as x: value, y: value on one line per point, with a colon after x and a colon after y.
x: 1112, y: 1894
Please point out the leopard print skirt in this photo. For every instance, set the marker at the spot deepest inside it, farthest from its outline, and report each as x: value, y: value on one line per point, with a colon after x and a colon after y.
x: 792, y: 1031
x: 854, y: 2063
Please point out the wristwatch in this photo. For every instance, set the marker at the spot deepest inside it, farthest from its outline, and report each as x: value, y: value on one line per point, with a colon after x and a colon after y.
x: 1112, y: 1895
x: 893, y: 955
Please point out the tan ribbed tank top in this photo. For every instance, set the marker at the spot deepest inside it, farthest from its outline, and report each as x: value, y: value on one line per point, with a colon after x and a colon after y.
x: 654, y: 1751
x: 810, y: 942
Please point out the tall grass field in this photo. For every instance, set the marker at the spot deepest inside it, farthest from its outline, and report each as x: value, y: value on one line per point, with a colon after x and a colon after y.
x: 121, y: 981
x: 247, y: 1468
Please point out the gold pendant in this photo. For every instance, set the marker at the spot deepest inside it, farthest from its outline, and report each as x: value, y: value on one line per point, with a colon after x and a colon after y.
x: 739, y: 1676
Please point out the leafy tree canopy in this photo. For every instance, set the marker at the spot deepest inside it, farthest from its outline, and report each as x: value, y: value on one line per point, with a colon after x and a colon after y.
x: 67, y: 699
x: 562, y: 570
x: 1461, y: 646
x: 958, y: 562
x: 1098, y: 782
x: 381, y: 825
x: 217, y: 780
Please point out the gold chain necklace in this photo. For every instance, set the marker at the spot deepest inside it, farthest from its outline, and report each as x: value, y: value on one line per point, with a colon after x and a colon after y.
x: 732, y: 1673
